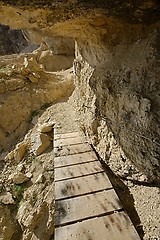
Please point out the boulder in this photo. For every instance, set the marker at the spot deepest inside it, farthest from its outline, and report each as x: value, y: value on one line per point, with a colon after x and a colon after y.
x: 40, y: 142
x: 18, y: 153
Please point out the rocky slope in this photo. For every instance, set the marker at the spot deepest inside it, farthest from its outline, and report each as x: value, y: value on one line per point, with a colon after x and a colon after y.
x: 27, y: 188
x: 26, y: 85
x: 27, y: 177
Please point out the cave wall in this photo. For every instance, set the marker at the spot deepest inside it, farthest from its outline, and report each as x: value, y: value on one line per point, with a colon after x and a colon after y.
x: 119, y: 104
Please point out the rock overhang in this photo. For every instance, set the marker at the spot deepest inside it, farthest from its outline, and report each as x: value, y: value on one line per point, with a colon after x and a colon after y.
x: 146, y: 11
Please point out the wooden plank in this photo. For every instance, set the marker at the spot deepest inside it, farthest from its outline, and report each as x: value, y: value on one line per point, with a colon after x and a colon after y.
x: 91, y: 205
x: 74, y: 159
x: 83, y: 185
x: 73, y: 149
x: 77, y: 170
x: 116, y: 226
x: 69, y: 141
x: 66, y: 135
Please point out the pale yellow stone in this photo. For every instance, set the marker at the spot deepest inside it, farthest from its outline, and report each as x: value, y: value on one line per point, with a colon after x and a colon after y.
x: 18, y: 177
x: 40, y: 142
x: 9, y: 156
x: 46, y: 127
x: 6, y: 198
x: 20, y: 151
x: 33, y: 78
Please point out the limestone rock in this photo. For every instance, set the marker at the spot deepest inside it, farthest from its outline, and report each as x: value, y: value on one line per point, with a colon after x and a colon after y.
x: 31, y: 69
x: 19, y: 177
x: 36, y: 212
x: 28, y: 175
x: 115, y: 100
x: 34, y: 120
x: 40, y: 179
x: 46, y: 127
x: 21, y: 97
x: 60, y: 45
x: 9, y: 156
x: 40, y: 143
x: 33, y: 78
x: 52, y: 62
x: 20, y: 167
x: 6, y: 198
x: 12, y: 41
x: 20, y: 151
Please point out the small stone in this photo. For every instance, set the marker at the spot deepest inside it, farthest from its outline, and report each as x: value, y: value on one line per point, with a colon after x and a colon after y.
x: 24, y: 71
x: 6, y: 198
x: 142, y: 178
x: 33, y: 78
x: 40, y: 179
x: 35, y: 120
x: 20, y: 167
x: 29, y: 174
x: 18, y: 177
x: 20, y: 151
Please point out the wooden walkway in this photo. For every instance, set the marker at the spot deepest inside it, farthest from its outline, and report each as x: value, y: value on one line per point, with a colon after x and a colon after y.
x: 86, y: 205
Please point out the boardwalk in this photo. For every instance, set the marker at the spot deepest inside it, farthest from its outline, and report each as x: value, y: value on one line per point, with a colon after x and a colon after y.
x: 86, y: 205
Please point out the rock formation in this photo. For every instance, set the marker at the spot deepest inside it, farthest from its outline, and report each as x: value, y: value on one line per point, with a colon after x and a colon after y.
x: 27, y: 188
x: 26, y: 87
